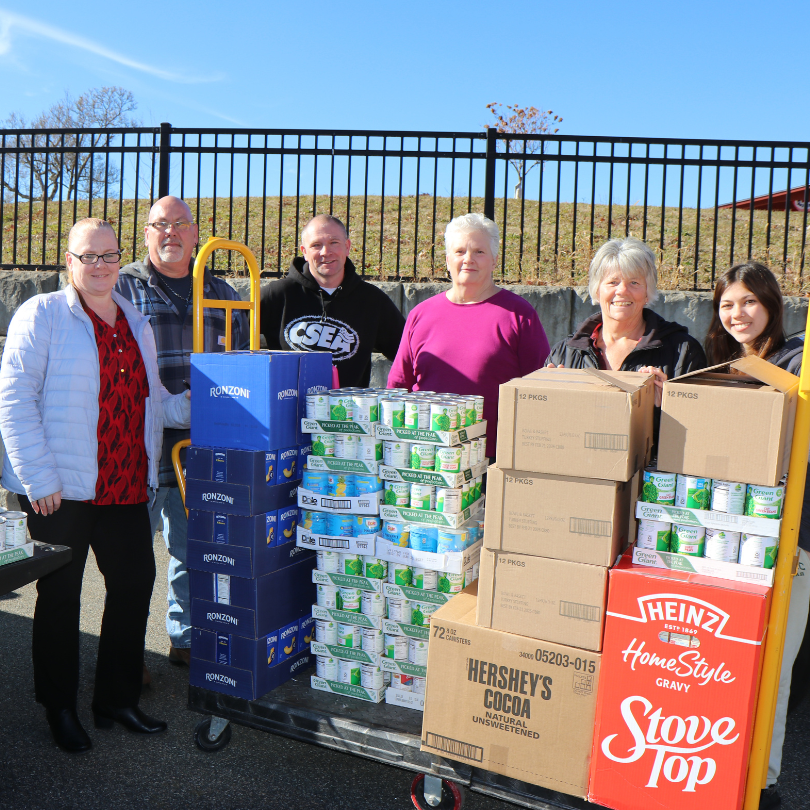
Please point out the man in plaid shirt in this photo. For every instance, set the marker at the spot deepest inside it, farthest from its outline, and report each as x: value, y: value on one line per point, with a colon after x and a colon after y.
x: 160, y: 286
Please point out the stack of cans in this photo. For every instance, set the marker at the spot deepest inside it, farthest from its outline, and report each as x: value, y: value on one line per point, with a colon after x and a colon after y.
x: 718, y: 496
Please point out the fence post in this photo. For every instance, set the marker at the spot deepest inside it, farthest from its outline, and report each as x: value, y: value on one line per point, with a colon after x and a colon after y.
x: 489, y: 181
x: 165, y: 142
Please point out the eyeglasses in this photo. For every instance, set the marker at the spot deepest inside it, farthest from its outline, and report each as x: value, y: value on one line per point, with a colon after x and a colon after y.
x: 92, y: 258
x: 162, y: 225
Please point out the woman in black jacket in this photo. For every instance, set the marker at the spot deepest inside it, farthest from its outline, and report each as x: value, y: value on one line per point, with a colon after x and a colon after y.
x: 626, y: 335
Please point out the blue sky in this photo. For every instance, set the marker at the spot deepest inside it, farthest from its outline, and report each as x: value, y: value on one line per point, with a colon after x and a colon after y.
x: 714, y: 69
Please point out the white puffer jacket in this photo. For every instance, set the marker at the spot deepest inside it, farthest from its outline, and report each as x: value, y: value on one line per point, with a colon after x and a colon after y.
x: 49, y: 388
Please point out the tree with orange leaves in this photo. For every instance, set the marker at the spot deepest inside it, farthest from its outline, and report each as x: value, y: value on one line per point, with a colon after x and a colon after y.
x: 523, y: 121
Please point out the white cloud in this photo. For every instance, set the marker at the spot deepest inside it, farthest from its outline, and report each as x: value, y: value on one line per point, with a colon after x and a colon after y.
x: 10, y: 21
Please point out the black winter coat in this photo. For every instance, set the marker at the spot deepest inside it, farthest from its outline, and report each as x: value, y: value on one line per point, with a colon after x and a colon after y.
x: 665, y: 344
x: 351, y: 323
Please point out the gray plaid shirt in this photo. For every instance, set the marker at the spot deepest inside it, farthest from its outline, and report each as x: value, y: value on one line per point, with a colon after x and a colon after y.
x: 174, y: 338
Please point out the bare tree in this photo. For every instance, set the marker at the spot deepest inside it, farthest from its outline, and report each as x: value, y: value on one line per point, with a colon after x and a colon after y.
x: 34, y: 173
x: 523, y: 121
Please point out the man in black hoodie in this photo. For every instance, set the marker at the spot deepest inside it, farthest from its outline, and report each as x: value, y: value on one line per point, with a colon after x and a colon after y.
x: 324, y: 305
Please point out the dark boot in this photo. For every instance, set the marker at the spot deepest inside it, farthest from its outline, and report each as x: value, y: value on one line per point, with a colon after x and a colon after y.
x: 133, y: 719
x: 67, y: 731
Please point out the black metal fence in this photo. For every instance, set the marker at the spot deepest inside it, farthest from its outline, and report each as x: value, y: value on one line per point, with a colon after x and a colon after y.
x: 555, y: 198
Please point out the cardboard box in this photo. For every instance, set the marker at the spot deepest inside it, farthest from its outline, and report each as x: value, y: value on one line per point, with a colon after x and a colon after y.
x: 250, y: 674
x: 347, y: 689
x: 364, y: 544
x: 765, y: 527
x: 432, y: 477
x: 350, y: 465
x: 359, y: 505
x: 251, y: 607
x: 520, y: 708
x: 454, y: 562
x: 580, y: 422
x: 346, y: 581
x: 346, y: 617
x: 733, y: 426
x: 244, y: 561
x: 406, y: 700
x: 678, y: 690
x: 543, y: 598
x: 427, y: 517
x: 346, y: 653
x: 576, y: 519
x: 449, y: 438
x: 236, y: 482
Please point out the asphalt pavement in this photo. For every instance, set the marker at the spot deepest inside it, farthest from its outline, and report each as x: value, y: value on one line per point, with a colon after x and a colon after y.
x: 256, y: 770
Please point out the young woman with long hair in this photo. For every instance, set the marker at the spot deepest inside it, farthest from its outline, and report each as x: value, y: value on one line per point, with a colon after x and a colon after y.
x: 748, y: 319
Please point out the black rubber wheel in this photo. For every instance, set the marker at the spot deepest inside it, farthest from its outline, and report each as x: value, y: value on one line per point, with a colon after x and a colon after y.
x: 209, y: 746
x: 451, y: 795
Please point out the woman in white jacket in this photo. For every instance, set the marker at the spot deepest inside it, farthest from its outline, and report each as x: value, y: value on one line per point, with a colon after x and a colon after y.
x: 82, y: 411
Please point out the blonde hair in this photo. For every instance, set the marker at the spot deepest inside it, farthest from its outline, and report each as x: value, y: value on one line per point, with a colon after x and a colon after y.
x: 631, y: 257
x: 87, y: 224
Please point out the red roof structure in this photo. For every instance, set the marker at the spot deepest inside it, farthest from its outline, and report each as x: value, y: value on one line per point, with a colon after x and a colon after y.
x: 797, y: 197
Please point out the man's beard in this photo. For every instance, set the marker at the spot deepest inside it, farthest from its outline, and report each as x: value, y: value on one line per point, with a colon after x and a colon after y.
x: 170, y: 253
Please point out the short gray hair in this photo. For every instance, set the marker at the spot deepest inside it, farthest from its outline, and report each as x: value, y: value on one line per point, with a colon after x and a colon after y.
x: 467, y: 223
x: 631, y: 257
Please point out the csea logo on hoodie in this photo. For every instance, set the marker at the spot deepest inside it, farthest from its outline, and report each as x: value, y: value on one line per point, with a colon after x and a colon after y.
x: 312, y: 333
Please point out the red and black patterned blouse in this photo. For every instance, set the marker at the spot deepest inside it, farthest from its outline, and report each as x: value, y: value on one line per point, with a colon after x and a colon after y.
x: 122, y: 461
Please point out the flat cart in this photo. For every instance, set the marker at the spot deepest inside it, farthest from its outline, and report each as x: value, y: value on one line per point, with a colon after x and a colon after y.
x: 46, y: 558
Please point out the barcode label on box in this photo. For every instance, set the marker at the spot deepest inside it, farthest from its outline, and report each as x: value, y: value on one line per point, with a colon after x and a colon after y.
x: 722, y: 517
x: 332, y: 503
x: 454, y: 747
x: 607, y: 441
x: 752, y: 575
x: 333, y: 542
x: 597, y: 528
x: 573, y: 610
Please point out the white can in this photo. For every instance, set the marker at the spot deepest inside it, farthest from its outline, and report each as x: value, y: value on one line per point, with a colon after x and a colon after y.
x: 448, y: 459
x: 448, y: 499
x: 345, y: 445
x: 399, y: 610
x: 328, y: 561
x: 372, y: 604
x: 654, y: 535
x: 369, y: 448
x: 222, y: 588
x: 728, y: 497
x: 400, y: 574
x: 693, y: 492
x: 317, y: 406
x: 392, y: 412
x: 423, y: 456
x: 372, y: 640
x: 365, y: 409
x: 396, y: 647
x: 349, y: 672
x: 465, y: 456
x: 327, y: 596
x: 423, y: 496
x: 349, y: 635
x: 425, y: 579
x: 402, y: 682
x: 722, y: 545
x: 16, y: 526
x: 351, y: 598
x: 758, y: 551
x: 375, y: 568
x: 417, y: 651
x: 417, y: 413
x: 419, y: 685
x: 474, y: 443
x: 340, y: 405
x: 479, y: 409
x: 351, y: 564
x: 371, y: 676
x: 326, y: 631
x: 658, y: 487
x: 397, y: 454
x: 482, y: 448
x: 326, y: 667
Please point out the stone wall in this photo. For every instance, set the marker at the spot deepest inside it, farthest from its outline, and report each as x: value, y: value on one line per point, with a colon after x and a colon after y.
x: 560, y: 308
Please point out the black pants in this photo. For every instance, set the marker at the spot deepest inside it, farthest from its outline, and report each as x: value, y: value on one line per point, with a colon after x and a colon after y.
x: 121, y: 539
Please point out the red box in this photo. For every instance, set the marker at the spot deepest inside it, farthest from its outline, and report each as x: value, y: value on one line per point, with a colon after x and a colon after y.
x: 678, y: 687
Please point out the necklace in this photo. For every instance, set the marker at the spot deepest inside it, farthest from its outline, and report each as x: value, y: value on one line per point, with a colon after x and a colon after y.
x: 187, y: 299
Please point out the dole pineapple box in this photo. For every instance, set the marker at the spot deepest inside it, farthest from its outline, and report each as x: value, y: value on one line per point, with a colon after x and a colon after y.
x: 676, y: 700
x: 254, y: 400
x: 253, y: 546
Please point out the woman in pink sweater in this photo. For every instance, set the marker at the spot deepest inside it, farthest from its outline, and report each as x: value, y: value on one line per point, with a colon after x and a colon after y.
x: 475, y: 336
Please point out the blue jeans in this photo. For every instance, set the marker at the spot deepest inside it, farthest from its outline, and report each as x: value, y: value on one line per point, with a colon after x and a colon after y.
x: 168, y: 513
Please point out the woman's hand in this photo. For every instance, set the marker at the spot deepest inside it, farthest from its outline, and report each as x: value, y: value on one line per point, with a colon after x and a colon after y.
x: 660, y: 379
x: 551, y: 365
x: 47, y: 505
